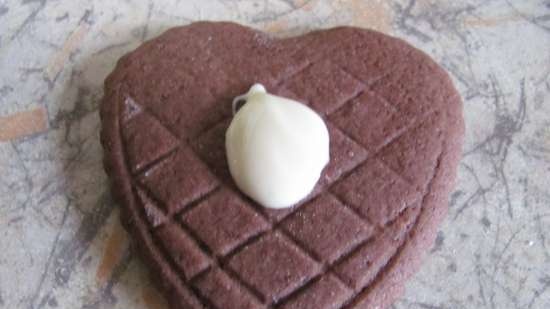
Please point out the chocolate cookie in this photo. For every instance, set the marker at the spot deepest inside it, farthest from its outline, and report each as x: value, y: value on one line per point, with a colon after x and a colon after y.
x: 396, y: 128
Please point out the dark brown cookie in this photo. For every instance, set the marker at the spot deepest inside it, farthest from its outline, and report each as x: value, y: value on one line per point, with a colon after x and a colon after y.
x: 396, y: 129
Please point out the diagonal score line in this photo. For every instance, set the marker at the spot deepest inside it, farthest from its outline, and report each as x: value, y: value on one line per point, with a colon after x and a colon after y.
x: 198, y: 201
x: 152, y: 114
x: 156, y: 162
x: 354, y: 211
x: 385, y: 101
x: 398, y: 174
x: 289, y: 76
x: 402, y: 131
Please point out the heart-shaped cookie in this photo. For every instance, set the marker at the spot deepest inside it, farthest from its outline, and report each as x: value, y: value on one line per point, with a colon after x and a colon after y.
x: 396, y: 126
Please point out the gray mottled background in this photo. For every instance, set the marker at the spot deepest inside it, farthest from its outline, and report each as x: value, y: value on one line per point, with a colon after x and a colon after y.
x: 60, y: 241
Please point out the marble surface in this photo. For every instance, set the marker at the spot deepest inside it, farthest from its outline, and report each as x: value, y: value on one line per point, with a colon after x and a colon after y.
x: 61, y: 243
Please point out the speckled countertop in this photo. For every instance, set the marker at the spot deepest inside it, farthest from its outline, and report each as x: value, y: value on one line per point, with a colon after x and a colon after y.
x: 60, y: 240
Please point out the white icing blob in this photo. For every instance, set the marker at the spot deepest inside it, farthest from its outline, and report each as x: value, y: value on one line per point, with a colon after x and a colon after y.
x: 276, y: 148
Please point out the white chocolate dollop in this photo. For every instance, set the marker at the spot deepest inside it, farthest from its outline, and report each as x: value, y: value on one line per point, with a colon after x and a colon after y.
x: 276, y: 148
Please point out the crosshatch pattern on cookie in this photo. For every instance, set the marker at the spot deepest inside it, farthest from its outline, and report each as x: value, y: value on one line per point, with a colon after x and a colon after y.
x: 219, y: 249
x: 260, y: 296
